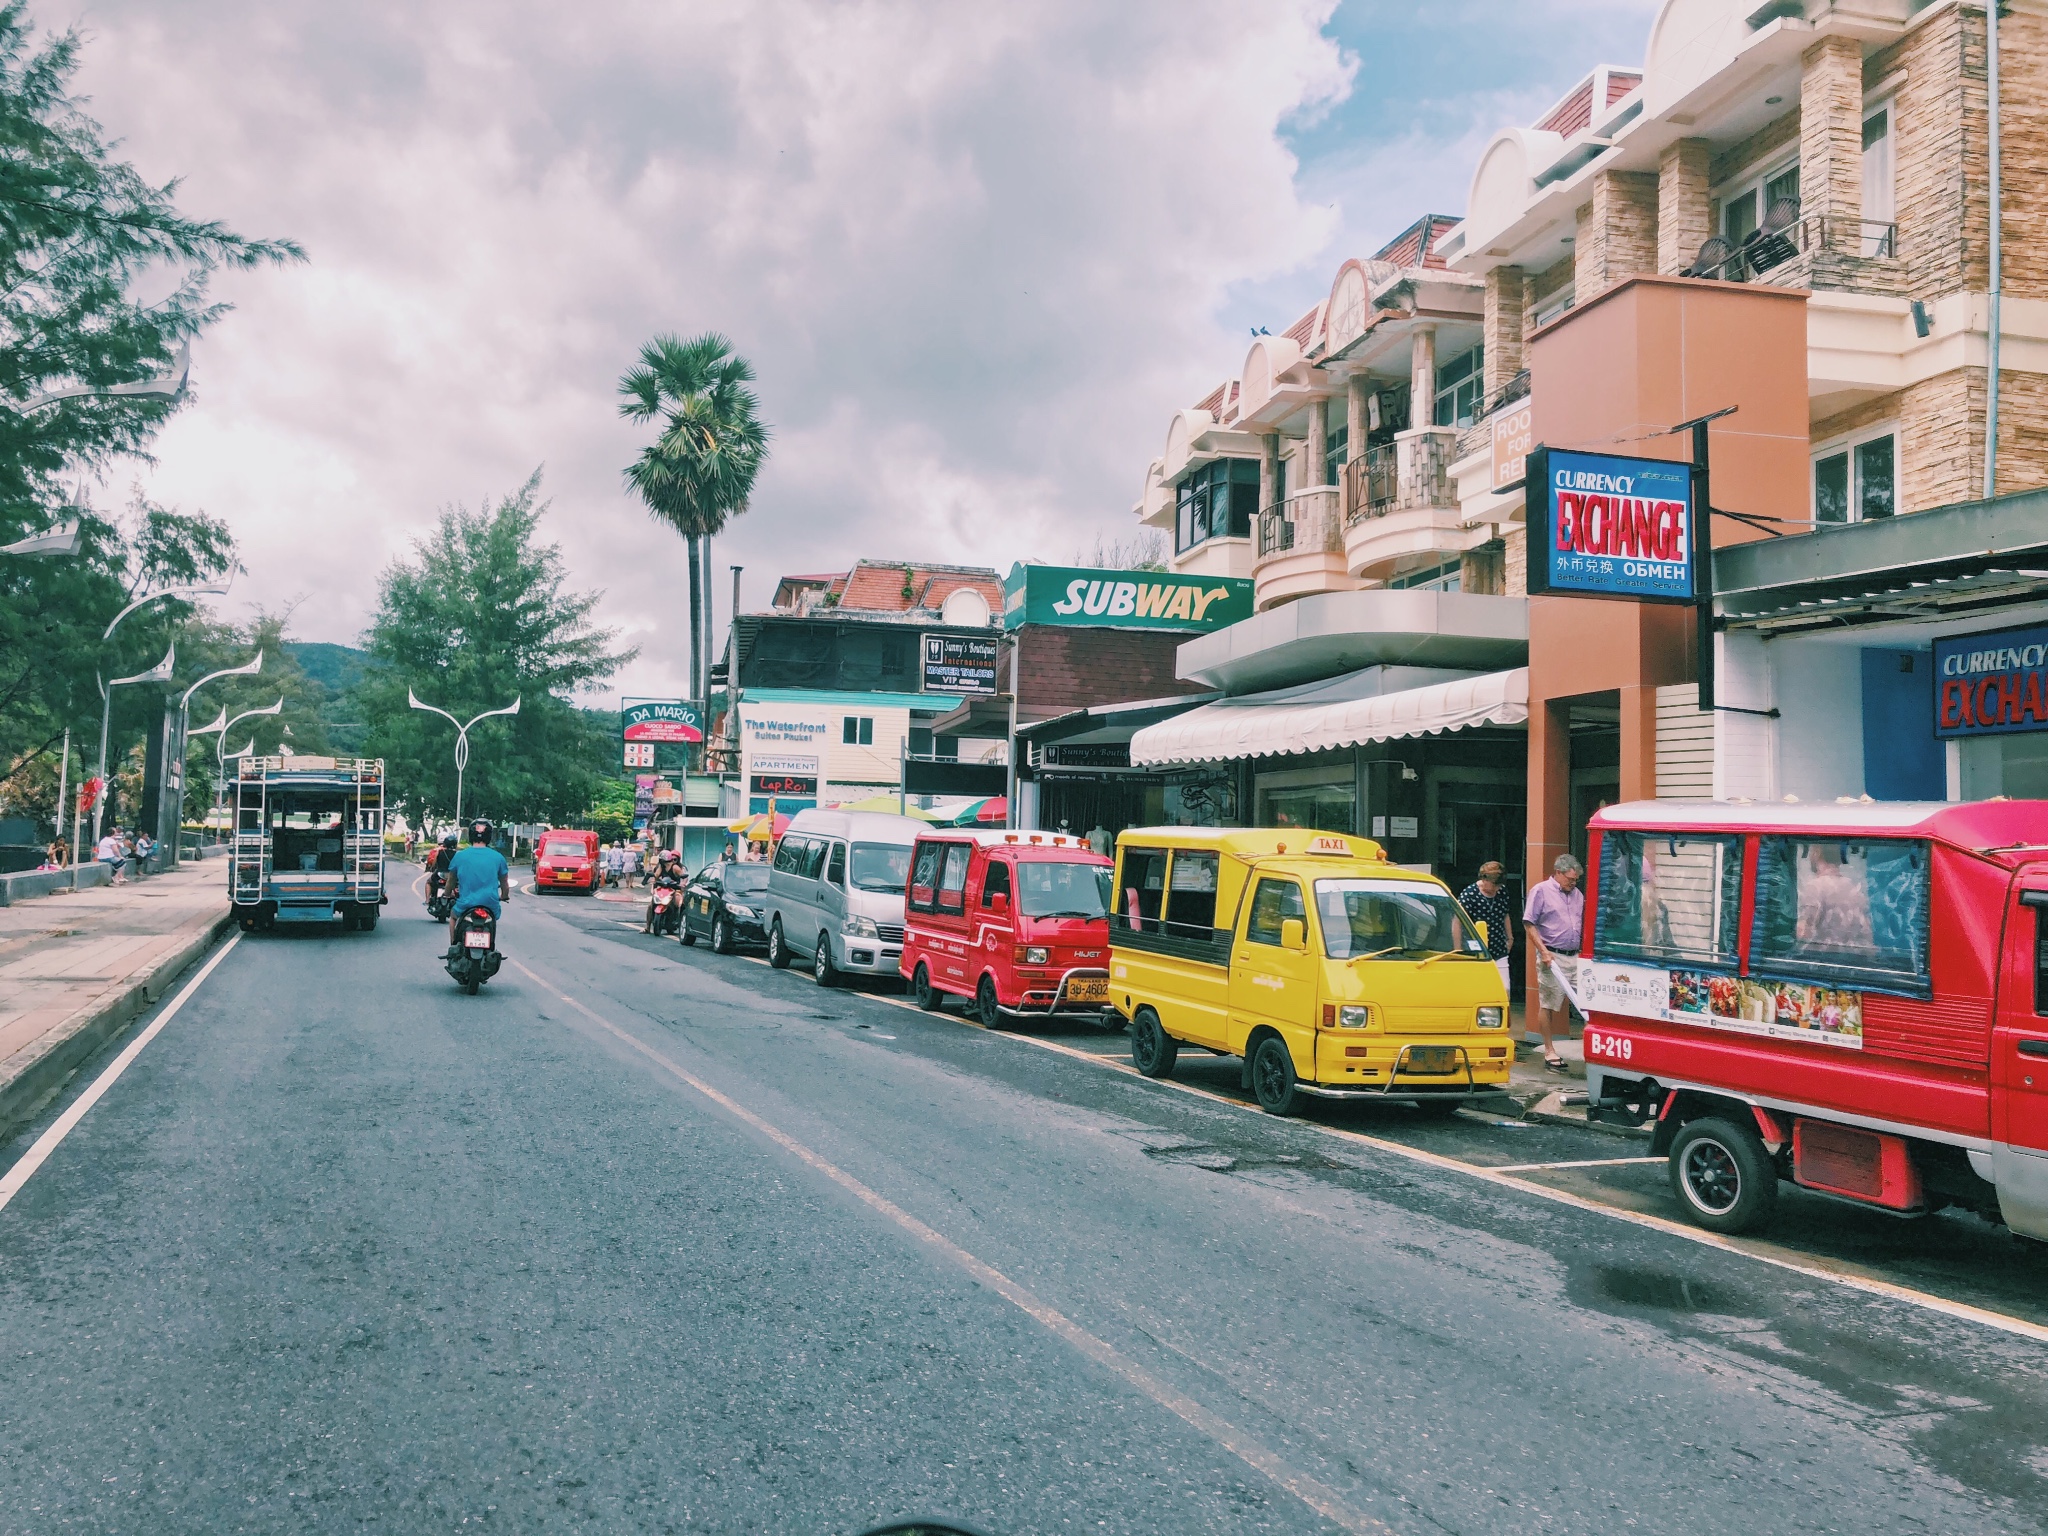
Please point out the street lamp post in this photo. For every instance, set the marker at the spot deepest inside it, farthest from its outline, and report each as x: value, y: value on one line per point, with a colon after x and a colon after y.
x: 160, y: 673
x: 221, y: 753
x: 461, y: 738
x: 177, y: 745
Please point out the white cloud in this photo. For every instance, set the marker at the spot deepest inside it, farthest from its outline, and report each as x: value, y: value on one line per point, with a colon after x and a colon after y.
x: 976, y: 252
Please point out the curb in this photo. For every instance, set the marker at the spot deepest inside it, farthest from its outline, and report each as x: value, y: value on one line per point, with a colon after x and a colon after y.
x: 24, y: 1098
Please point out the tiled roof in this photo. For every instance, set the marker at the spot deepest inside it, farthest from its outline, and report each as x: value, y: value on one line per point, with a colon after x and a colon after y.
x: 1415, y: 246
x: 875, y: 586
x: 1619, y: 83
x: 1575, y: 112
x: 1213, y: 401
x: 1304, y: 329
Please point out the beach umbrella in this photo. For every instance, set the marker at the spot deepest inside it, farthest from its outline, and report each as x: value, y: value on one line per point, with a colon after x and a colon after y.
x: 886, y: 805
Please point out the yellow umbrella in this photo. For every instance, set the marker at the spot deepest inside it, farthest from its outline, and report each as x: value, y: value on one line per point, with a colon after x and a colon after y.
x: 886, y: 805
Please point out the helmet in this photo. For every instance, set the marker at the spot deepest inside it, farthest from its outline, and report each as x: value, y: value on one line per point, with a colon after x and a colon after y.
x: 480, y: 831
x: 448, y: 840
x: 670, y: 856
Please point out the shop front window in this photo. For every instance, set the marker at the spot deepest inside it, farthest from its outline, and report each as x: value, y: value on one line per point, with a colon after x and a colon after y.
x: 1331, y: 806
x: 1669, y: 900
x: 1217, y: 501
x: 1850, y: 912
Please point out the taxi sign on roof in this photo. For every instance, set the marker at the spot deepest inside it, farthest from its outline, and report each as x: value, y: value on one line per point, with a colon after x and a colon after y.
x: 1326, y: 842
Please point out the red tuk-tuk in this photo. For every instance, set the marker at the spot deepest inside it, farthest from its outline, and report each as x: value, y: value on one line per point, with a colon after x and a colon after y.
x: 1851, y: 996
x: 1017, y: 921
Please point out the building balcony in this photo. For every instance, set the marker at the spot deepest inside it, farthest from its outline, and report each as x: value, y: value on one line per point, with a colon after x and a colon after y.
x: 1301, y: 548
x: 1401, y: 501
x: 1815, y: 251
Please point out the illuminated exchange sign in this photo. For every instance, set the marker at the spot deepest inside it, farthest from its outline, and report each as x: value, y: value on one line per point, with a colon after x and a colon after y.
x: 1605, y: 526
x: 662, y: 720
x: 1991, y: 685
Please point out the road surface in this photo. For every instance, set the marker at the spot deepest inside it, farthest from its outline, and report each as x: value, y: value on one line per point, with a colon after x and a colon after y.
x: 646, y: 1239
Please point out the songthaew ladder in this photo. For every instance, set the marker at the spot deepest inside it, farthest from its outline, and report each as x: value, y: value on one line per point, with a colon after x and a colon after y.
x: 251, y: 847
x: 365, y: 840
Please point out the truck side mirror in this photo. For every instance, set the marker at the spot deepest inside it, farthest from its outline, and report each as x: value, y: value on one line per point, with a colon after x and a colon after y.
x: 999, y: 903
x: 1479, y: 926
x: 1293, y: 934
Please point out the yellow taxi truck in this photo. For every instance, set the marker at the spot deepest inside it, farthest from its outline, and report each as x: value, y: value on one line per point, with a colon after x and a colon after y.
x: 1331, y: 971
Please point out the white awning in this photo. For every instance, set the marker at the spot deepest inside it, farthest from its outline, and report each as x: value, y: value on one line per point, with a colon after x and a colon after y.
x: 1269, y: 725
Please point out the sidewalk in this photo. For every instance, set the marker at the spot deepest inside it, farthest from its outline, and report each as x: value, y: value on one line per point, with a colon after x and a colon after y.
x: 76, y: 967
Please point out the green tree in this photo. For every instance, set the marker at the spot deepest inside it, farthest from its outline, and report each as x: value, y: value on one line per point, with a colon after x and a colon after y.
x: 102, y: 280
x: 700, y: 470
x: 476, y: 618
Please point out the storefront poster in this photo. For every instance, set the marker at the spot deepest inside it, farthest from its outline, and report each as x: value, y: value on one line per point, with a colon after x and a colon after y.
x: 1072, y: 595
x: 1602, y: 525
x: 1782, y: 1010
x: 959, y: 664
x: 1991, y: 684
x: 672, y: 720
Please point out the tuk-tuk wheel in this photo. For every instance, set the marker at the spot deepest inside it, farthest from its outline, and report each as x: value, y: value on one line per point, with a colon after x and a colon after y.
x: 1153, y: 1050
x: 929, y: 997
x: 1723, y: 1176
x: 987, y: 1009
x: 1273, y: 1077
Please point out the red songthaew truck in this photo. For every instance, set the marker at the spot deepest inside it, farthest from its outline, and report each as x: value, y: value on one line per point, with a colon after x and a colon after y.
x: 1851, y: 996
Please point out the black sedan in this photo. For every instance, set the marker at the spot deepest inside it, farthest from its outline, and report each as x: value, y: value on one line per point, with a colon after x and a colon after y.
x: 722, y: 903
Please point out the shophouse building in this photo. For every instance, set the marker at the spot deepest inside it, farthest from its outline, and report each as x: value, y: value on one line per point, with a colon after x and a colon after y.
x: 1785, y: 208
x: 845, y: 676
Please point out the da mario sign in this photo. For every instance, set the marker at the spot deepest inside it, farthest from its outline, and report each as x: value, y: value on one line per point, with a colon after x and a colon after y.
x: 1601, y: 525
x: 1991, y: 684
x: 661, y: 720
x: 1058, y: 594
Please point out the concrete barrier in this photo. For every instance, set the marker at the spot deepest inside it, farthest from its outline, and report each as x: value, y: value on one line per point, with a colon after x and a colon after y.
x: 43, y: 882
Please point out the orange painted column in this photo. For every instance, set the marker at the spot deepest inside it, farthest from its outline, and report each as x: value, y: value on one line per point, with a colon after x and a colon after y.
x: 1639, y: 741
x: 1550, y: 797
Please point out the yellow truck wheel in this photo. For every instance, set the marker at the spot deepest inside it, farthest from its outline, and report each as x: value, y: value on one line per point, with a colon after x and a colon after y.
x: 1273, y: 1077
x: 1153, y: 1050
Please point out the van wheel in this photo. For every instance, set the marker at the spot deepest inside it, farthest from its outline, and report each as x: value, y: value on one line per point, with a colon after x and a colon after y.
x: 929, y: 997
x: 1153, y: 1050
x: 987, y: 1010
x: 778, y: 947
x: 822, y: 969
x: 721, y: 936
x: 1273, y: 1077
x: 1723, y: 1176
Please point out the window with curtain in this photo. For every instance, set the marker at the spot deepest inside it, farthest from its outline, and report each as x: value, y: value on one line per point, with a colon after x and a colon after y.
x: 1669, y: 900
x: 1842, y: 910
x: 1880, y: 191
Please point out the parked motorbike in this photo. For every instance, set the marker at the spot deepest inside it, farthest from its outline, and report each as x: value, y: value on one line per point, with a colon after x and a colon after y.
x: 665, y: 908
x: 473, y: 958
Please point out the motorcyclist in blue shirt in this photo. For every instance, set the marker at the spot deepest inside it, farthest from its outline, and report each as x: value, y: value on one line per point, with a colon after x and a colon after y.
x: 480, y: 877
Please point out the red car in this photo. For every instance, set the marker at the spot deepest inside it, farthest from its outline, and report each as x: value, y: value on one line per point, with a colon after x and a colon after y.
x: 566, y: 861
x: 1017, y: 921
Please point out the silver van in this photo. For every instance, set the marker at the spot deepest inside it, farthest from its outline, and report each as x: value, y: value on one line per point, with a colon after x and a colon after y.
x: 835, y: 893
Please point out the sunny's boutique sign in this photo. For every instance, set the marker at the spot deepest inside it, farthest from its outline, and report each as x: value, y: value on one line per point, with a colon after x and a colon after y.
x: 1058, y: 594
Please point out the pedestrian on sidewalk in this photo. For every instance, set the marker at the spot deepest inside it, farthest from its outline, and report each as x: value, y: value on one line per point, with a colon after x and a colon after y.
x: 1555, y: 920
x: 1486, y: 901
x: 110, y: 852
x: 145, y: 846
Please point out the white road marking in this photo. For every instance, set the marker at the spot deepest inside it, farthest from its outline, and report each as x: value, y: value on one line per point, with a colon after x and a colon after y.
x: 34, y: 1158
x: 1591, y: 1162
x: 1505, y: 1177
x: 1324, y: 1500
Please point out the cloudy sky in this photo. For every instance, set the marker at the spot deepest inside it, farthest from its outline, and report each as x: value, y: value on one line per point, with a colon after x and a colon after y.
x: 978, y: 253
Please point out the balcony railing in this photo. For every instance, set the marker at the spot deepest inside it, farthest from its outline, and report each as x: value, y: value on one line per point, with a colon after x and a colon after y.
x: 1412, y: 473
x: 1307, y: 520
x: 1794, y: 251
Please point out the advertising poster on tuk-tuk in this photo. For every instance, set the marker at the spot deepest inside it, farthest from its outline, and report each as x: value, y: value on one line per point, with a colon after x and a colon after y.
x: 1783, y: 1010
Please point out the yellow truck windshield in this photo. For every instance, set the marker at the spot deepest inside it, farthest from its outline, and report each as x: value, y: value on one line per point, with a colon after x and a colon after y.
x: 1391, y: 917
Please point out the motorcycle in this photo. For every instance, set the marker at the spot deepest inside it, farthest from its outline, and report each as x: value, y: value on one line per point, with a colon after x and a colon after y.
x: 665, y: 908
x: 440, y: 901
x: 473, y: 958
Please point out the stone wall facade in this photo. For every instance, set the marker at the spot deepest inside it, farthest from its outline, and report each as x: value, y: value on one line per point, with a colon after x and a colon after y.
x: 1617, y: 233
x: 1831, y: 130
x: 1685, y: 214
x: 1542, y: 288
x: 1515, y: 562
x: 1507, y: 303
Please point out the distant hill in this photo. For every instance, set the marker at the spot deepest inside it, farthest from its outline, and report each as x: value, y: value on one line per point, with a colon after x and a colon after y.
x: 337, y: 668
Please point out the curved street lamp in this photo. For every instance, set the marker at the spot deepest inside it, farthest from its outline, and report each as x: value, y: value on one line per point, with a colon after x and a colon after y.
x: 461, y: 738
x: 161, y: 673
x: 247, y: 669
x: 168, y: 386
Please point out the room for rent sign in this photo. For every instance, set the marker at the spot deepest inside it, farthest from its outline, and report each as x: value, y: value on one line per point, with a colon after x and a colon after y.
x: 1991, y: 684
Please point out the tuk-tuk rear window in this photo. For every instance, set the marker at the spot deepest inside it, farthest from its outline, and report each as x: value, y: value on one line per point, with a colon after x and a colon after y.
x: 1669, y: 899
x: 1853, y: 911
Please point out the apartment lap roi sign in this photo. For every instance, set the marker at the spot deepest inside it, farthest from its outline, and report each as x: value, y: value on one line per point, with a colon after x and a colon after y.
x: 1603, y: 525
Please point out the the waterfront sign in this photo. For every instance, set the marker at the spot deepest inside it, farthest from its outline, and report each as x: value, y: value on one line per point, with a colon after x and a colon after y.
x: 1991, y: 684
x: 1073, y: 595
x: 661, y: 720
x: 1601, y: 525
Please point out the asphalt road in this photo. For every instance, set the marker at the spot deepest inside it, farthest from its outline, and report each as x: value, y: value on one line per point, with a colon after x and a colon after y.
x: 647, y: 1239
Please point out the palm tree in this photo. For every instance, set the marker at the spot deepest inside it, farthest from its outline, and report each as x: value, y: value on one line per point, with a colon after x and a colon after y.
x: 700, y: 471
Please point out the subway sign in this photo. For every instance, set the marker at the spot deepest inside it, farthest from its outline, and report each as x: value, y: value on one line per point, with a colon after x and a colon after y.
x: 1991, y: 684
x: 1601, y: 525
x: 1074, y: 595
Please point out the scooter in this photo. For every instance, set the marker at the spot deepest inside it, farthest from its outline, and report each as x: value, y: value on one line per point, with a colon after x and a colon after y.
x: 440, y: 902
x: 473, y: 958
x: 665, y: 909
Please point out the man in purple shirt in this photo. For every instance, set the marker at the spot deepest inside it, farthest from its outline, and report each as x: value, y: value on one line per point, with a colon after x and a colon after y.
x: 1555, y: 919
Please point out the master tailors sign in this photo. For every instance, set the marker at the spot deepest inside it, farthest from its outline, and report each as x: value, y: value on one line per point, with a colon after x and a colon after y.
x: 1602, y: 525
x: 1059, y: 594
x: 1991, y: 684
x: 661, y: 720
